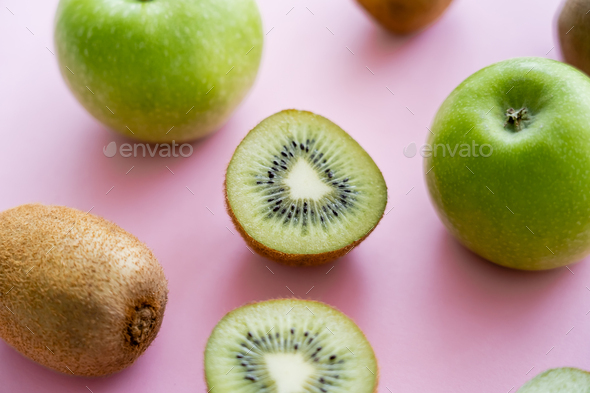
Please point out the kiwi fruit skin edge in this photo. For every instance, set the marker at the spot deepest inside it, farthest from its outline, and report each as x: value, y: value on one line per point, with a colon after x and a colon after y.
x: 405, y: 16
x: 80, y: 295
x: 573, y: 28
x: 228, y: 315
x: 290, y: 259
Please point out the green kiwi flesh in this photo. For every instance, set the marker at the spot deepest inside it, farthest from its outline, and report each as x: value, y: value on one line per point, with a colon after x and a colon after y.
x: 289, y: 346
x: 301, y: 186
x: 559, y: 380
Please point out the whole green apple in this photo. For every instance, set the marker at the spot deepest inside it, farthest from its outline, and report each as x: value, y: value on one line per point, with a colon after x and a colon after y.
x: 508, y: 163
x: 159, y: 70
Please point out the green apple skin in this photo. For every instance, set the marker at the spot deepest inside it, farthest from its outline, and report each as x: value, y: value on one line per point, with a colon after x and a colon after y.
x: 527, y: 205
x: 559, y: 380
x: 143, y: 67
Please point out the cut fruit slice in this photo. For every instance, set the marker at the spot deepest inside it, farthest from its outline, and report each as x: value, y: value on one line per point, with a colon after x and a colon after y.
x: 289, y: 346
x: 301, y: 191
x: 559, y: 380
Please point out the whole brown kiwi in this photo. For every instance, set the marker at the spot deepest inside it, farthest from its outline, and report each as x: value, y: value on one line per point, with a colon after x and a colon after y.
x: 78, y: 294
x: 573, y: 27
x: 405, y: 16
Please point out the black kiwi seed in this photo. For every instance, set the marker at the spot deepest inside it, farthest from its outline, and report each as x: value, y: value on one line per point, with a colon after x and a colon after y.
x: 306, y: 334
x: 334, y: 203
x: 292, y: 331
x: 251, y: 378
x: 332, y: 357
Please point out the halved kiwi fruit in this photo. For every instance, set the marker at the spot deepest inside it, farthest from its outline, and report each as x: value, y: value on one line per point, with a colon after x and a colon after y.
x: 301, y: 191
x: 559, y: 380
x: 289, y: 346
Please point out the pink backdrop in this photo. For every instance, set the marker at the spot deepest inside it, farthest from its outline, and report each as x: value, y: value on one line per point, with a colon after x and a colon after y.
x: 440, y: 318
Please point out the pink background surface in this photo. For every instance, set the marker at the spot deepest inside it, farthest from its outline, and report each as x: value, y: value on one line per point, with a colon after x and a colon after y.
x: 440, y: 318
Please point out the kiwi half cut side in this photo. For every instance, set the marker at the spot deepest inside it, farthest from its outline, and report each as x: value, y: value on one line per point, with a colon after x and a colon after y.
x: 301, y: 191
x: 289, y: 346
x: 559, y: 380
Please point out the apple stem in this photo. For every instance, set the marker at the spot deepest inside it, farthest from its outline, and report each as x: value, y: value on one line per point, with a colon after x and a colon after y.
x: 516, y: 117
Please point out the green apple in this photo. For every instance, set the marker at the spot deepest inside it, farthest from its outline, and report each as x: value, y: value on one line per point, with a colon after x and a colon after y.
x: 559, y: 380
x: 159, y: 70
x: 519, y: 196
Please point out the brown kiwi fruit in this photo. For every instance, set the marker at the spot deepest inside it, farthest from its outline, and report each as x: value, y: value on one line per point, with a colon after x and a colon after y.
x: 79, y: 294
x: 405, y: 16
x: 573, y: 27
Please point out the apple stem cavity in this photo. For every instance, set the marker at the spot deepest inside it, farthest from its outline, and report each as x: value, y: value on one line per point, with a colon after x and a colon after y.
x: 516, y: 117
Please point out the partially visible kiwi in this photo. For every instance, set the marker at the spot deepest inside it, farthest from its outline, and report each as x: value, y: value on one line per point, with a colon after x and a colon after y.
x: 573, y: 27
x: 301, y: 191
x: 289, y: 346
x: 78, y: 294
x: 405, y: 16
x: 559, y: 380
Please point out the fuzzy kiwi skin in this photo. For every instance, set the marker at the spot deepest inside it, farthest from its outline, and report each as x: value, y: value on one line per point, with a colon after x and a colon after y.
x: 291, y: 259
x: 229, y: 314
x: 92, y: 295
x: 405, y: 16
x: 575, y: 42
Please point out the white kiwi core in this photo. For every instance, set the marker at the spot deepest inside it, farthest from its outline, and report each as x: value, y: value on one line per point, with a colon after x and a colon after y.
x: 289, y: 371
x: 305, y: 183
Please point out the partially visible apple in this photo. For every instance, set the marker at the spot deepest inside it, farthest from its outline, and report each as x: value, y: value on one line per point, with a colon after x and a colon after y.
x: 525, y: 202
x: 159, y: 70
